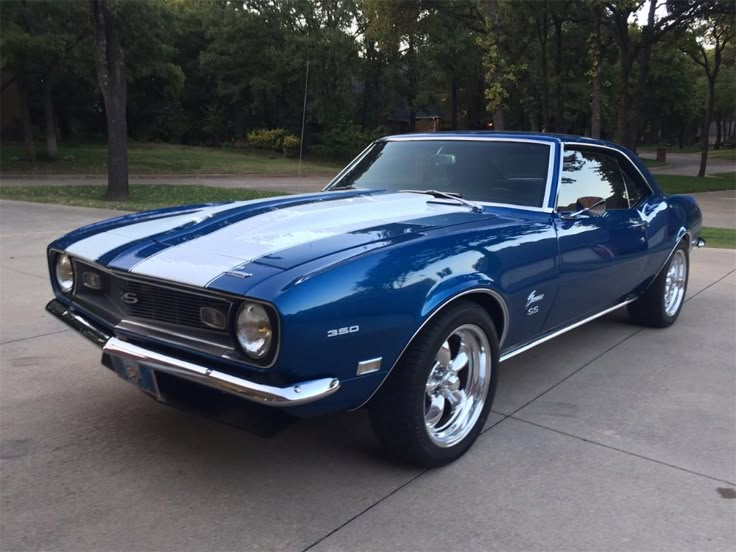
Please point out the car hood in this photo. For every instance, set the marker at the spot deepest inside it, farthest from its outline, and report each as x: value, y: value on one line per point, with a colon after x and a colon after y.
x: 255, y: 238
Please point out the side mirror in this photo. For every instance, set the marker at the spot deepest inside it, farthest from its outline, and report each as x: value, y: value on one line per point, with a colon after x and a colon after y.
x: 588, y: 204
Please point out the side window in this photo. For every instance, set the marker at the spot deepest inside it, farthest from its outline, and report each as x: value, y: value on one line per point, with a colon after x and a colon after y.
x: 635, y: 189
x: 589, y: 176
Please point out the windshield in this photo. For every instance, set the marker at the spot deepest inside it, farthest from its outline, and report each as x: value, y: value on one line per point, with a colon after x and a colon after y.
x: 491, y: 171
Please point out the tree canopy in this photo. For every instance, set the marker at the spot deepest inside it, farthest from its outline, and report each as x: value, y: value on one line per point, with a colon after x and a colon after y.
x: 211, y: 71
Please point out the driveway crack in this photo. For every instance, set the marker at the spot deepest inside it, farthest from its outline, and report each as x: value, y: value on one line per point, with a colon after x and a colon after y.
x: 598, y: 443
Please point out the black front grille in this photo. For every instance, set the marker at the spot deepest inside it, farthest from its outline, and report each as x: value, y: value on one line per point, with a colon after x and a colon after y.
x: 142, y: 300
x: 123, y: 298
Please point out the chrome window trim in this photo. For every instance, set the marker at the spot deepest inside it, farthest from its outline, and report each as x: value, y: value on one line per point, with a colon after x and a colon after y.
x: 512, y: 353
x: 550, y: 143
x: 600, y: 147
x: 493, y: 293
x: 350, y: 165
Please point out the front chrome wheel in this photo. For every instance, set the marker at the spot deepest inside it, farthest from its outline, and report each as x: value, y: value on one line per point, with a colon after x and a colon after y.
x: 457, y: 385
x: 675, y: 282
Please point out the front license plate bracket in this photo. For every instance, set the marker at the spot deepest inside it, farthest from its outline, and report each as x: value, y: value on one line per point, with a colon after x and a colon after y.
x: 140, y: 375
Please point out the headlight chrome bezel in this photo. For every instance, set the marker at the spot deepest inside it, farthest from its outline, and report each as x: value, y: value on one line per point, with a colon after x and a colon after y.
x: 64, y: 262
x: 264, y: 359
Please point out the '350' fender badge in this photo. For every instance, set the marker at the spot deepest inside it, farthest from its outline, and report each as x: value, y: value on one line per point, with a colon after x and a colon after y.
x: 531, y: 308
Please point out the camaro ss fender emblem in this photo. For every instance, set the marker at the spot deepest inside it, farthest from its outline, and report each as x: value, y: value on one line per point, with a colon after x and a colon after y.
x: 343, y: 331
x: 530, y: 300
x: 129, y: 298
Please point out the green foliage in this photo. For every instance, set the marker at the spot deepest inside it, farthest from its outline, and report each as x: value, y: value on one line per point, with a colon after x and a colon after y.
x: 345, y: 141
x: 210, y: 72
x: 270, y: 139
x: 290, y: 145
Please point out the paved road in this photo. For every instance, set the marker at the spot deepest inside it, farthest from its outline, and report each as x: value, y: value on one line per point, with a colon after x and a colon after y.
x: 688, y: 164
x: 611, y: 437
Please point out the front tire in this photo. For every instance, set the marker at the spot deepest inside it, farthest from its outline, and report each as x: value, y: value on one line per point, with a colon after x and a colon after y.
x: 660, y: 305
x: 435, y: 402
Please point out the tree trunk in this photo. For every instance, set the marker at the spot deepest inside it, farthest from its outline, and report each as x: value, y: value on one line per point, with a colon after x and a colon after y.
x: 622, y: 116
x: 596, y: 92
x: 110, y: 67
x: 559, y: 101
x: 595, y: 104
x: 498, y: 122
x: 454, y: 102
x: 705, y: 138
x: 28, y: 143
x: 645, y: 57
x: 52, y: 147
x: 412, y: 79
x: 545, y: 69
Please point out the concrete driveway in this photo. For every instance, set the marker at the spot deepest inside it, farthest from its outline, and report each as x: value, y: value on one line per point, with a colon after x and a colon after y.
x: 612, y: 437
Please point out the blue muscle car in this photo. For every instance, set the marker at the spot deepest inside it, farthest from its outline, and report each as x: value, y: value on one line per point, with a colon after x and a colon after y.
x: 427, y: 261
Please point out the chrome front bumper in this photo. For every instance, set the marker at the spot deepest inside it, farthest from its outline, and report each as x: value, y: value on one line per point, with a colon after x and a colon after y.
x: 293, y: 395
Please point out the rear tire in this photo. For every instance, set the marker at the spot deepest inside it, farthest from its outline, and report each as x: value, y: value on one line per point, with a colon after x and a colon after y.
x: 435, y: 402
x: 661, y: 303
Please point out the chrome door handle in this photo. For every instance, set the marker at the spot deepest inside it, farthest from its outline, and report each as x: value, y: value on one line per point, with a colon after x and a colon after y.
x: 639, y: 224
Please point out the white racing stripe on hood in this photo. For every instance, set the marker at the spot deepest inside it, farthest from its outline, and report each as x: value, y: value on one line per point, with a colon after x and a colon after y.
x: 96, y: 246
x: 199, y: 261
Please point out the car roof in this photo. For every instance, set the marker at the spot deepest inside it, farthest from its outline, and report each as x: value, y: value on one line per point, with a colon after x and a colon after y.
x: 543, y: 136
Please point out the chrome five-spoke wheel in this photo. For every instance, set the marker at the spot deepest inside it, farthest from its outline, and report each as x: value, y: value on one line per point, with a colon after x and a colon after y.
x: 457, y: 385
x: 661, y: 303
x: 674, y: 286
x: 433, y: 405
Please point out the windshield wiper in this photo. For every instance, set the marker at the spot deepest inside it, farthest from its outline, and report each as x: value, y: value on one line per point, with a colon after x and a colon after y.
x: 447, y: 195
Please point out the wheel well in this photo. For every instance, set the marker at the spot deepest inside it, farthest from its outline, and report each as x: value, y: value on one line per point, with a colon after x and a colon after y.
x: 495, y: 310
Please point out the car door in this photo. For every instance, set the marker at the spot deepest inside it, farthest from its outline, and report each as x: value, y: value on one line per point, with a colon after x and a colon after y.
x: 601, y: 236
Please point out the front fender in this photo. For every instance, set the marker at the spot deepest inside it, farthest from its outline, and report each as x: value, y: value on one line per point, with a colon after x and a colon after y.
x: 371, y: 306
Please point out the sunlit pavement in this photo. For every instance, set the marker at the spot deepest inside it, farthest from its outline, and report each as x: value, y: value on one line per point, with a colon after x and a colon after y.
x: 612, y: 437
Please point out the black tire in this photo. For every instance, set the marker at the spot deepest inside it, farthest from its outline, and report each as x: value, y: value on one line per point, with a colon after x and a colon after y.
x: 654, y: 308
x: 397, y: 411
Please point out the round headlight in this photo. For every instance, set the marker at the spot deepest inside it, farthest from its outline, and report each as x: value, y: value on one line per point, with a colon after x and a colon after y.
x: 254, y: 330
x: 64, y: 273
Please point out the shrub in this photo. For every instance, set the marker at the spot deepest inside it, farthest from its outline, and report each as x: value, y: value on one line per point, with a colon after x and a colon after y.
x: 272, y: 139
x: 290, y: 146
x: 345, y: 141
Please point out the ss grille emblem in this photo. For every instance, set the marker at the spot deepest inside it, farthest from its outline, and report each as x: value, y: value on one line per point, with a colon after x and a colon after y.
x: 129, y: 298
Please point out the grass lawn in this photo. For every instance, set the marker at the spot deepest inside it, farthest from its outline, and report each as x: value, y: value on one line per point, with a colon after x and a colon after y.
x: 726, y: 153
x: 651, y: 163
x: 731, y: 175
x: 142, y: 196
x: 676, y: 184
x: 724, y: 238
x: 155, y: 158
x: 694, y: 148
